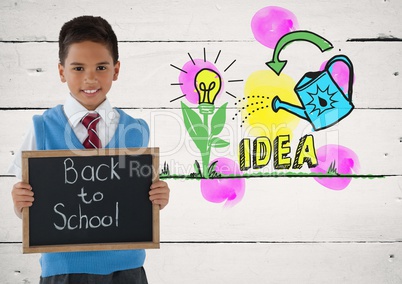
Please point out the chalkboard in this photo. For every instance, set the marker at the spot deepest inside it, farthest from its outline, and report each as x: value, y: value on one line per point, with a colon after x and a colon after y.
x: 89, y: 200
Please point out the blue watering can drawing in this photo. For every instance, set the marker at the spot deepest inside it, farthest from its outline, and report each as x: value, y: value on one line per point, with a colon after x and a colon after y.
x: 323, y: 102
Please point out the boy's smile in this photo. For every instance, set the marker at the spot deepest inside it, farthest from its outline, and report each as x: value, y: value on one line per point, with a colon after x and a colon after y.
x: 89, y: 72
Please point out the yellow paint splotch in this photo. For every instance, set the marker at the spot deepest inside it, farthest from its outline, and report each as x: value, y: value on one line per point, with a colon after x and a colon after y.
x: 258, y: 117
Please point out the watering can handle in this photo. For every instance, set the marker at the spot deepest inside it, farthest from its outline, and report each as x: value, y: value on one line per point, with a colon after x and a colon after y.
x: 347, y: 61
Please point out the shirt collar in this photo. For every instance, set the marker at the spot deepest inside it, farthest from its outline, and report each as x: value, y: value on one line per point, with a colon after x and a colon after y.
x: 75, y: 111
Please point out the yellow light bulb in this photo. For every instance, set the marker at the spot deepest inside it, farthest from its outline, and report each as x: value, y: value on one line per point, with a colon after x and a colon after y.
x: 207, y: 82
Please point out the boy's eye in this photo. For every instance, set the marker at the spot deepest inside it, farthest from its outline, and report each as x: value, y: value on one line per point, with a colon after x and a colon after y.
x: 78, y: 68
x: 101, y: 68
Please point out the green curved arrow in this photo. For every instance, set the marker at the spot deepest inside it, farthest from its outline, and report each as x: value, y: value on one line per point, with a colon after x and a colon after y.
x: 277, y: 65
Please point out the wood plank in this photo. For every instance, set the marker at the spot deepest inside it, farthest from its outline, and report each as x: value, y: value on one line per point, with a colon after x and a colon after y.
x: 275, y: 263
x: 374, y: 135
x: 11, y: 226
x: 195, y: 20
x: 16, y: 267
x: 29, y: 76
x: 287, y: 210
x: 272, y: 210
x: 327, y: 263
x: 285, y: 230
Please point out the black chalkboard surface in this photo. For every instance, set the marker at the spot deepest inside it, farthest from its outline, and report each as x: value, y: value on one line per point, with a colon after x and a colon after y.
x: 90, y: 200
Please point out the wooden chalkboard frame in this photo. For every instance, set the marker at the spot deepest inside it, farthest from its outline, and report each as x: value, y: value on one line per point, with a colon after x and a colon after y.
x: 152, y: 244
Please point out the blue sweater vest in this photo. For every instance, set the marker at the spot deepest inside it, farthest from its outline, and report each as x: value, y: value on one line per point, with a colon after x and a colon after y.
x: 53, y: 132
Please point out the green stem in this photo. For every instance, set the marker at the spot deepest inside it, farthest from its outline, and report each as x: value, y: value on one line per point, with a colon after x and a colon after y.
x: 207, y: 154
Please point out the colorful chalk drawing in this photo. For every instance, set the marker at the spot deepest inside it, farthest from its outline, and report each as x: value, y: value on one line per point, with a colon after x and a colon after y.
x: 201, y: 83
x: 271, y: 23
x: 230, y: 190
x: 186, y: 78
x: 323, y: 101
x: 255, y: 106
x: 272, y: 107
x: 338, y: 159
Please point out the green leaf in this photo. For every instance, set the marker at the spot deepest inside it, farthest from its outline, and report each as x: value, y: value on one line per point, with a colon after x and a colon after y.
x: 211, y: 168
x: 218, y: 120
x: 197, y: 168
x: 217, y: 142
x: 195, y: 128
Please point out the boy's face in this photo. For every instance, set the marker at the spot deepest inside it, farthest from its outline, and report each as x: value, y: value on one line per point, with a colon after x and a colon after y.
x: 89, y: 72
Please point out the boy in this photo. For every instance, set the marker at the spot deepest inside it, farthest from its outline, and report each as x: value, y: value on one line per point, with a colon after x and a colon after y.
x: 89, y: 64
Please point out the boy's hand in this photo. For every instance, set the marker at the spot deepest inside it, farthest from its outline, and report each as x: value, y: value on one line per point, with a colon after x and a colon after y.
x: 22, y: 197
x: 159, y: 193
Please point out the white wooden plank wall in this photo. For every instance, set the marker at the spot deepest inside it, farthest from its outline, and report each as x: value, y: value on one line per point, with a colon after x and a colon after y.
x: 284, y: 230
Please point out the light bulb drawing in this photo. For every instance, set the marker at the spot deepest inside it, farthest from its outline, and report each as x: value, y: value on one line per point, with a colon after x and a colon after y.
x: 201, y: 83
x: 207, y: 83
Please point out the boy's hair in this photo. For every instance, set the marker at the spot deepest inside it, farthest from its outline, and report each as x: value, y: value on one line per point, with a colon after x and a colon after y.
x: 87, y: 28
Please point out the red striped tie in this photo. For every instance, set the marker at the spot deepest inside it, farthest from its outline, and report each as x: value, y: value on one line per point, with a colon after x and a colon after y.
x: 90, y: 120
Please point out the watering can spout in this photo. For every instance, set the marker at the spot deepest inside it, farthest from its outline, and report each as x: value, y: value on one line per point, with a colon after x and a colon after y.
x: 296, y: 110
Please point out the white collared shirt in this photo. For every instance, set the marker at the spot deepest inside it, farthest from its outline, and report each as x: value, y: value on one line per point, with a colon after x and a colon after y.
x: 74, y: 112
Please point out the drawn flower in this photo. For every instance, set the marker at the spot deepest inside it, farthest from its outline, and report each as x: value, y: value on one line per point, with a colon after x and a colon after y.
x: 186, y: 79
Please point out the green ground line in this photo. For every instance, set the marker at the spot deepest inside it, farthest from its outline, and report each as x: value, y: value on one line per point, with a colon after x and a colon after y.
x: 278, y: 175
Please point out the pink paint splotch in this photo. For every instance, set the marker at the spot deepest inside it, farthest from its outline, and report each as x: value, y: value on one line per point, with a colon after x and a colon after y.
x: 340, y: 73
x: 271, y: 23
x: 230, y: 190
x: 344, y: 160
x: 187, y: 79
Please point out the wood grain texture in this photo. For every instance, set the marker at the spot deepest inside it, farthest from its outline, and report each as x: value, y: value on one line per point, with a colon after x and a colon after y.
x: 192, y: 20
x: 327, y: 263
x: 285, y: 230
x: 29, y: 76
x: 272, y: 210
x: 380, y: 134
